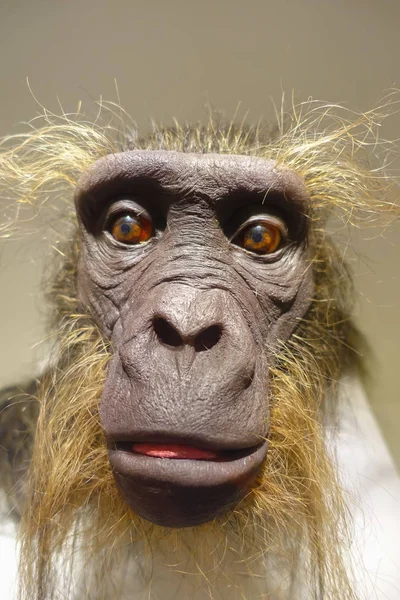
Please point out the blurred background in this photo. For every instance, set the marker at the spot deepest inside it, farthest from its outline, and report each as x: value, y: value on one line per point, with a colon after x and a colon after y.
x: 172, y: 58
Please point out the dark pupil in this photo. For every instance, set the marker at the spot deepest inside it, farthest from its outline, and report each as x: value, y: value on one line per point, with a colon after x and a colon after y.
x: 257, y: 234
x: 126, y: 228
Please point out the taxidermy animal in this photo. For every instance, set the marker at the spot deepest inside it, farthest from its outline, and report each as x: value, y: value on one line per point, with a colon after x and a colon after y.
x: 201, y: 315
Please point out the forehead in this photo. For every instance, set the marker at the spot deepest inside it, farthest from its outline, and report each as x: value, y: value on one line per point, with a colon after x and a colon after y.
x: 211, y: 176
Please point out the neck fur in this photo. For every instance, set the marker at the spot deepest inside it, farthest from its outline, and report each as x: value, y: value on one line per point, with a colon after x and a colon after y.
x: 187, y: 565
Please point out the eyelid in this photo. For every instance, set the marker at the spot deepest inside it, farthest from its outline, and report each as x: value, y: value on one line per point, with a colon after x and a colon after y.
x: 269, y: 219
x: 122, y: 207
x: 113, y: 218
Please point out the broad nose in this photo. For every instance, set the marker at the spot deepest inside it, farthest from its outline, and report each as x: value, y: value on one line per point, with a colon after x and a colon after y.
x: 193, y: 346
x: 190, y: 318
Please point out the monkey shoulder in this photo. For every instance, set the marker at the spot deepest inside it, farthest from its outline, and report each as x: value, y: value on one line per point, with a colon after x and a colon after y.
x: 18, y: 415
x: 19, y: 409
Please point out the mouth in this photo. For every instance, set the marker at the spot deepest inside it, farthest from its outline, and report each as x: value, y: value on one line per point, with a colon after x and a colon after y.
x: 182, y: 451
x: 175, y: 483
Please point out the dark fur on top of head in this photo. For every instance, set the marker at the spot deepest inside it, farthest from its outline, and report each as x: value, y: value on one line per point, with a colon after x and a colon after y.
x: 297, y: 504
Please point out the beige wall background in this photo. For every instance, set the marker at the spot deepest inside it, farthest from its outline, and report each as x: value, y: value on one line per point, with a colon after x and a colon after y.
x: 169, y: 58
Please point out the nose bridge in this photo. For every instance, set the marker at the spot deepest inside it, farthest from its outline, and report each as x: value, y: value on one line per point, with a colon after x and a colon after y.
x: 190, y: 312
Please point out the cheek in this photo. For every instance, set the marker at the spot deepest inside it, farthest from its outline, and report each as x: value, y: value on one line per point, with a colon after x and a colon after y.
x: 288, y: 321
x: 115, y: 399
x: 279, y: 294
x: 103, y: 287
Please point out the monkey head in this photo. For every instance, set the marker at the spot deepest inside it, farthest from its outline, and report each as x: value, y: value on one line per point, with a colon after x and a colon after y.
x: 196, y: 268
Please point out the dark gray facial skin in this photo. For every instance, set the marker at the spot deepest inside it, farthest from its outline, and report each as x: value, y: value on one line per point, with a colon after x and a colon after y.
x: 194, y: 320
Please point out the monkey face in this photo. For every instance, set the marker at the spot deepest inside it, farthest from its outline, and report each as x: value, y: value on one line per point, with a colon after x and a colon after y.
x: 195, y: 267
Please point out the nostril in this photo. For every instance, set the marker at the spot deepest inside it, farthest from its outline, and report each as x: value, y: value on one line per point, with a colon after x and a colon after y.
x: 166, y: 333
x: 208, y: 338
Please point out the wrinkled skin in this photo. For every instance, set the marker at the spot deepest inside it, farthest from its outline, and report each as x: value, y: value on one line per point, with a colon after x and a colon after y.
x: 194, y: 320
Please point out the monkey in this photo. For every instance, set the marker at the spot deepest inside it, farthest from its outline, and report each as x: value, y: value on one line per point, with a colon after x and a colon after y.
x: 202, y: 321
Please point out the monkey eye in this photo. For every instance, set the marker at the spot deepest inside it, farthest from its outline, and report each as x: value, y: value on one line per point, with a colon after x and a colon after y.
x: 261, y: 235
x: 131, y: 228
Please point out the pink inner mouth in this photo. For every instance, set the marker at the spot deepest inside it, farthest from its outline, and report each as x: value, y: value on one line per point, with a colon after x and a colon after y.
x: 174, y: 451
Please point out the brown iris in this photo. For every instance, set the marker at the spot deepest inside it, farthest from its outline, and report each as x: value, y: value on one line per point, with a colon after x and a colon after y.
x: 132, y: 229
x: 260, y: 237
